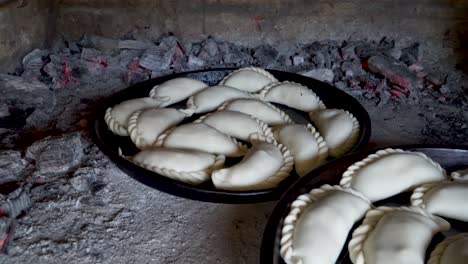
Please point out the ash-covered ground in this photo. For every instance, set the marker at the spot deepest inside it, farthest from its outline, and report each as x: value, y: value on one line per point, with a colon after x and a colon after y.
x: 63, y: 201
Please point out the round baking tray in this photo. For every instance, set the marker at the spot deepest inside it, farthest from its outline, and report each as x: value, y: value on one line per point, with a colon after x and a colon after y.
x: 451, y: 159
x: 110, y: 143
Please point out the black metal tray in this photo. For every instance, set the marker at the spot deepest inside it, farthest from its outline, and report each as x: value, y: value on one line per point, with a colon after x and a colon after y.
x: 109, y: 143
x: 451, y: 158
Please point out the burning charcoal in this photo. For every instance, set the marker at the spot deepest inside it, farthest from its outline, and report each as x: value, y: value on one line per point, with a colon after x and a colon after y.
x: 210, y: 46
x: 341, y: 85
x: 196, y: 49
x: 366, y: 50
x: 5, y: 232
x: 157, y: 58
x: 17, y: 202
x: 314, y: 47
x: 73, y: 47
x: 236, y: 55
x: 436, y: 79
x: 91, y: 55
x: 394, y: 70
x: 386, y: 43
x: 33, y: 63
x: 12, y: 166
x: 167, y: 41
x: 56, y: 154
x: 318, y: 60
x: 265, y: 55
x: 410, y: 55
x: 325, y: 75
x: 394, y: 53
x: 352, y: 68
x: 102, y: 44
x: 134, y: 44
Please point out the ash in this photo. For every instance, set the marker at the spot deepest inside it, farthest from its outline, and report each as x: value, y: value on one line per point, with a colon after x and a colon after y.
x: 62, y: 200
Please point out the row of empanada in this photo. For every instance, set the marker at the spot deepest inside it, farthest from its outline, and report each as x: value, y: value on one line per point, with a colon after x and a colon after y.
x: 240, y: 114
x: 319, y: 222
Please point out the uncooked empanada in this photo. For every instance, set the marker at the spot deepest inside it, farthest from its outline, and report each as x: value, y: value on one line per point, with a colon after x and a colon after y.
x: 212, y: 97
x: 202, y: 137
x: 176, y: 90
x: 236, y: 124
x: 461, y: 175
x: 264, y: 111
x: 116, y: 117
x: 265, y: 165
x: 339, y: 128
x: 249, y: 79
x: 391, y: 235
x: 391, y: 171
x: 293, y: 95
x: 446, y: 198
x: 318, y: 224
x: 306, y: 145
x: 145, y: 126
x: 452, y: 250
x: 189, y: 166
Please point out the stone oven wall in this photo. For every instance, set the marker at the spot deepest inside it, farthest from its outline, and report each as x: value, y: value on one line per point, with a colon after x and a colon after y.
x: 24, y: 26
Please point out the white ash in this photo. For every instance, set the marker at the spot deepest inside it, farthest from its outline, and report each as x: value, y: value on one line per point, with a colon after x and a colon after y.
x: 83, y: 208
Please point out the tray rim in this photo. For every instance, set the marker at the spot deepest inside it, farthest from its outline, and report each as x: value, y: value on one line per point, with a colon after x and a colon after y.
x: 267, y: 247
x: 190, y: 191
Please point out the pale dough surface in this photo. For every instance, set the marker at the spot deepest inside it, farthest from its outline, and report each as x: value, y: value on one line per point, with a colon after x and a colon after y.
x: 202, y: 137
x: 176, y: 90
x: 303, y: 145
x: 145, y: 127
x: 394, y: 173
x: 323, y: 227
x: 178, y: 160
x: 293, y: 95
x: 448, y: 200
x: 336, y: 127
x: 212, y: 97
x: 260, y: 110
x: 452, y: 250
x: 399, y: 237
x: 261, y: 162
x: 234, y: 124
x: 247, y: 80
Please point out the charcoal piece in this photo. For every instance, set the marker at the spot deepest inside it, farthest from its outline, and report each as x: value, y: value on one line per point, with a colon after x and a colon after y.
x: 157, y: 58
x: 105, y: 45
x: 211, y: 47
x: 410, y: 55
x: 17, y: 202
x: 88, y: 54
x: 12, y: 166
x: 265, y: 55
x: 73, y: 47
x: 194, y: 61
x: 352, y: 68
x: 386, y: 43
x: 314, y: 47
x: 298, y: 60
x: 325, y: 75
x: 318, y: 60
x: 134, y: 44
x: 236, y: 55
x: 54, y: 155
x: 395, y: 71
x: 33, y: 63
x: 87, y: 180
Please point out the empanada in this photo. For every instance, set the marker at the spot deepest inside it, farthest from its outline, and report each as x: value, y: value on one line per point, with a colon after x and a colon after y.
x: 188, y: 166
x: 452, y: 250
x: 145, y: 126
x: 176, y: 90
x: 264, y: 111
x: 201, y: 137
x: 249, y: 79
x: 390, y: 235
x: 116, y: 117
x: 236, y: 124
x: 292, y: 94
x: 339, y: 128
x: 265, y: 165
x: 306, y: 145
x: 212, y: 97
x: 446, y: 198
x: 318, y: 224
x: 461, y: 175
x: 391, y: 171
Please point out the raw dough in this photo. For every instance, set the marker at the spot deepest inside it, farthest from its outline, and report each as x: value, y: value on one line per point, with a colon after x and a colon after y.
x: 391, y: 171
x: 318, y: 224
x: 258, y: 109
x: 236, y: 124
x: 452, y: 250
x: 306, y: 145
x: 117, y: 117
x: 249, y: 79
x: 293, y: 95
x: 184, y: 165
x: 392, y: 235
x: 145, y: 126
x: 202, y: 137
x: 461, y: 175
x: 176, y: 90
x: 265, y: 165
x: 339, y: 128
